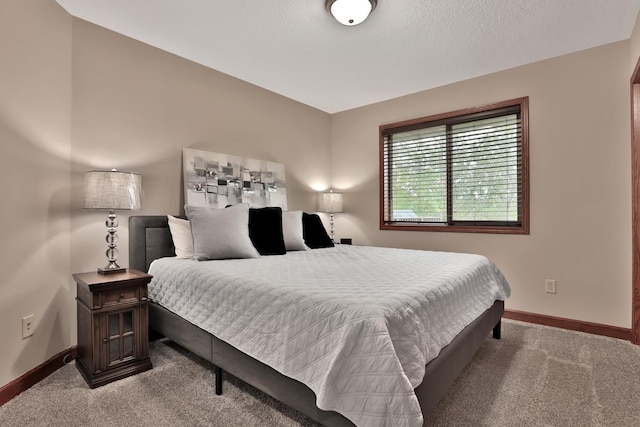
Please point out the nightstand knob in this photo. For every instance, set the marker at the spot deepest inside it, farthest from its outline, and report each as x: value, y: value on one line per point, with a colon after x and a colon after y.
x: 121, y: 296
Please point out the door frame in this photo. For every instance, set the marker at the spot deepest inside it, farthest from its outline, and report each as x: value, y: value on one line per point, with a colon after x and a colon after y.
x: 635, y: 203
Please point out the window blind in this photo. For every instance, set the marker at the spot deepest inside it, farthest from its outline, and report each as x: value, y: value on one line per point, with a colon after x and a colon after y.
x: 460, y: 170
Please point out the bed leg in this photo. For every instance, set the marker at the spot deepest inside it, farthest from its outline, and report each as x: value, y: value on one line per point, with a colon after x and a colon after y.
x: 218, y: 373
x: 497, y: 330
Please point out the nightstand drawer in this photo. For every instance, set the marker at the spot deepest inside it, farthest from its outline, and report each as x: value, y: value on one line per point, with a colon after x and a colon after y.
x: 117, y: 296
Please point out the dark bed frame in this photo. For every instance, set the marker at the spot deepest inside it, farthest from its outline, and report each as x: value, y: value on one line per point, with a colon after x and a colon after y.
x: 149, y: 239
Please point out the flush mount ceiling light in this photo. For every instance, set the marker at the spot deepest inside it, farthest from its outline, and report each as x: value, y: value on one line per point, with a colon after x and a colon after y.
x: 350, y: 12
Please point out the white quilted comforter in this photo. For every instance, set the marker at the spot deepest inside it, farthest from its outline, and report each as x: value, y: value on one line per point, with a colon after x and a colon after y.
x: 356, y: 324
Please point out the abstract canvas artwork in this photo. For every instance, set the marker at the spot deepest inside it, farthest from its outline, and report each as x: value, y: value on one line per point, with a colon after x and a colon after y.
x: 217, y: 180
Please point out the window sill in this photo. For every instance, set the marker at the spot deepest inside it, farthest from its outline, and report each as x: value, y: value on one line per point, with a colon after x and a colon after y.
x: 458, y: 228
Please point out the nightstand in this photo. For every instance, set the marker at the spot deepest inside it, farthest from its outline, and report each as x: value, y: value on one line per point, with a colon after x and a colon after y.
x: 112, y: 325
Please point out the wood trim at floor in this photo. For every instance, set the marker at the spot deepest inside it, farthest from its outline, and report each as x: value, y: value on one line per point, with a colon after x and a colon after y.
x: 37, y: 374
x: 573, y: 325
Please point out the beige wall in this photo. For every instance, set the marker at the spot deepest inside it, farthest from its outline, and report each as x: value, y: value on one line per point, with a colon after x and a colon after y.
x: 74, y: 97
x: 135, y: 107
x: 635, y: 46
x: 580, y: 182
x: 35, y: 106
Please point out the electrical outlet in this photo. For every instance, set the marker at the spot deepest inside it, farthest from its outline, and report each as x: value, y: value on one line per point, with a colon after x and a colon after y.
x: 27, y: 326
x: 550, y: 286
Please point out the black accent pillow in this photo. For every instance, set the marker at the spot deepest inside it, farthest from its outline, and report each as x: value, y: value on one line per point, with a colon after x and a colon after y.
x: 313, y: 232
x: 265, y: 230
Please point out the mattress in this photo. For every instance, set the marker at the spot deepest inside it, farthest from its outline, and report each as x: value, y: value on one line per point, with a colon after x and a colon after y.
x: 356, y: 324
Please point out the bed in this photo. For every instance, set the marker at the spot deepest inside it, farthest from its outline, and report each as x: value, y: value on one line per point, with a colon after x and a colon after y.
x: 150, y: 240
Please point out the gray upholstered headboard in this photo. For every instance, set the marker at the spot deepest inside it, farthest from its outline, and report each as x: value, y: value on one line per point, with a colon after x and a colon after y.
x: 149, y: 239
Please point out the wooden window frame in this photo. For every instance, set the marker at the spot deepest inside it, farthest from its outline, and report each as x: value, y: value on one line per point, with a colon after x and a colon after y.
x: 522, y: 228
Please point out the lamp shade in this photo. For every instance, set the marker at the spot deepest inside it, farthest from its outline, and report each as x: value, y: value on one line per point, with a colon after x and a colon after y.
x: 330, y: 202
x: 112, y: 190
x: 350, y: 12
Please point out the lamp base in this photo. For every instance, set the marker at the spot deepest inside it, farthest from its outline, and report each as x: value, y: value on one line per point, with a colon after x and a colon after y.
x: 107, y: 270
x: 112, y: 246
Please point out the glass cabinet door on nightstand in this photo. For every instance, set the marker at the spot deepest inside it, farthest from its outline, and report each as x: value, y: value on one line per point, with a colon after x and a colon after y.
x: 120, y: 327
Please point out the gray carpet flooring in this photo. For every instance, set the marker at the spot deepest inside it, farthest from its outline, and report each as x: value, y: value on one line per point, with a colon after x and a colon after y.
x: 533, y: 376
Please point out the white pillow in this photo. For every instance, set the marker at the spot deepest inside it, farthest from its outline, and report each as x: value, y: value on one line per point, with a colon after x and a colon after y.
x: 292, y: 231
x: 221, y: 233
x: 181, y: 235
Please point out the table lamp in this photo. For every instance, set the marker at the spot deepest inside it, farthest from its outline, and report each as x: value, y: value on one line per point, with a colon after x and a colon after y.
x: 111, y: 191
x: 330, y: 203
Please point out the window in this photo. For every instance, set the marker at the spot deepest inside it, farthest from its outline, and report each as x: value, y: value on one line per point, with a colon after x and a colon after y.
x: 462, y: 171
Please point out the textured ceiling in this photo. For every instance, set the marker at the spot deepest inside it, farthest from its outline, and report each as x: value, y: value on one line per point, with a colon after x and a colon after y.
x: 295, y: 48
